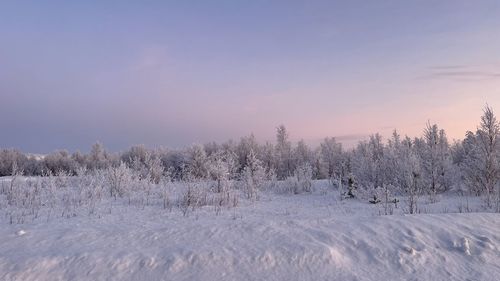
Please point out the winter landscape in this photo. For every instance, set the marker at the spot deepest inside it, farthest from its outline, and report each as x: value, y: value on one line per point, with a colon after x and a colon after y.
x: 418, y: 209
x: 262, y: 140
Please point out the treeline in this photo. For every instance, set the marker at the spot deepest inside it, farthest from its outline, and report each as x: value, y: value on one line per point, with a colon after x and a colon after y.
x: 278, y: 159
x: 426, y: 164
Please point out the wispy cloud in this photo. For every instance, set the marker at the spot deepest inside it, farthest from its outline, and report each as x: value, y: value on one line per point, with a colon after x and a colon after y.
x: 461, y: 73
x: 447, y: 67
x: 351, y: 137
x: 385, y: 128
x: 467, y: 74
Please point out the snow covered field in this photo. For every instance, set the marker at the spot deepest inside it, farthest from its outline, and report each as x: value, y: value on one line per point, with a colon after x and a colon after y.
x: 279, y: 237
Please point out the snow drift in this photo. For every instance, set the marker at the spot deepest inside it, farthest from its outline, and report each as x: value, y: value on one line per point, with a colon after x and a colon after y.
x: 124, y: 247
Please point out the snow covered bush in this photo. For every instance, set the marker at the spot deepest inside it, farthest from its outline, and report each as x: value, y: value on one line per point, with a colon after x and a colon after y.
x: 119, y: 179
x: 384, y: 197
x: 166, y: 186
x: 253, y: 176
x: 299, y: 183
x: 303, y: 174
x: 194, y: 195
x: 218, y: 167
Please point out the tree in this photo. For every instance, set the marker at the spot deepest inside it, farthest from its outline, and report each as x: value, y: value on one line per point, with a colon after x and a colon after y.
x: 267, y: 155
x: 368, y: 163
x: 468, y: 158
x: 253, y: 175
x: 411, y: 175
x: 376, y: 154
x: 220, y: 165
x: 284, y: 165
x: 136, y: 153
x: 60, y: 161
x: 7, y: 159
x: 79, y: 159
x: 331, y: 159
x: 302, y: 154
x: 244, y: 147
x: 481, y: 166
x: 436, y: 161
x: 303, y: 178
x: 119, y: 179
x: 154, y: 167
x: 98, y: 157
x: 488, y: 141
x: 174, y: 162
x: 145, y: 162
x: 392, y: 158
x: 198, y: 162
x: 34, y: 167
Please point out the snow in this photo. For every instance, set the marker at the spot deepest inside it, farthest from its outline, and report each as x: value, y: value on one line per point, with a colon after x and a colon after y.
x: 279, y: 237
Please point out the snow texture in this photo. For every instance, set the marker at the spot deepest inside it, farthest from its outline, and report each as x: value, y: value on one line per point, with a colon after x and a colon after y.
x: 279, y: 237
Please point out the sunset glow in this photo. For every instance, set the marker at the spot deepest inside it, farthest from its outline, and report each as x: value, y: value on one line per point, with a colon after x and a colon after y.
x: 173, y: 74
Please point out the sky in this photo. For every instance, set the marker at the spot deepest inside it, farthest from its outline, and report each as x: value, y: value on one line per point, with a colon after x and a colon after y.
x: 174, y: 73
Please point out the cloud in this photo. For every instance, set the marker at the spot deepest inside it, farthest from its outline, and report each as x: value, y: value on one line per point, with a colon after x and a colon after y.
x: 445, y: 67
x: 461, y: 73
x: 385, y: 128
x: 351, y: 137
x: 467, y: 74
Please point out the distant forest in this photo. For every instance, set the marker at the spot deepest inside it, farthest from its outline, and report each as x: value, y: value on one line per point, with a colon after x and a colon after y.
x: 428, y: 163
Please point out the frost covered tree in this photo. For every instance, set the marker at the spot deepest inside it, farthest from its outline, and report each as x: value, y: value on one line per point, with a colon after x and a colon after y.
x: 331, y: 159
x: 267, y: 156
x: 302, y: 154
x: 35, y: 167
x: 436, y: 160
x: 146, y: 163
x: 253, y: 175
x: 79, y: 159
x: 283, y: 148
x: 488, y: 142
x: 60, y: 161
x: 119, y: 179
x: 244, y: 147
x: 98, y: 157
x: 211, y: 148
x: 392, y: 157
x: 136, y: 153
x: 7, y: 159
x: 410, y: 169
x: 367, y: 163
x: 467, y: 158
x: 220, y: 164
x: 154, y: 167
x: 376, y: 152
x: 303, y: 177
x: 481, y: 165
x: 198, y: 162
x: 175, y: 162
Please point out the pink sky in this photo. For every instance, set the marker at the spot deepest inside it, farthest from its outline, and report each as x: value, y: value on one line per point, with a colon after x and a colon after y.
x: 173, y: 74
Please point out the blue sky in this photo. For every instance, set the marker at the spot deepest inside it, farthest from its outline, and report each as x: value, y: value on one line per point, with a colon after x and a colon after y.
x: 173, y: 73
